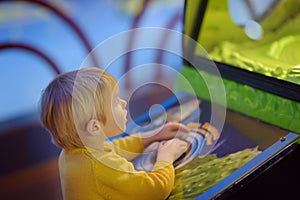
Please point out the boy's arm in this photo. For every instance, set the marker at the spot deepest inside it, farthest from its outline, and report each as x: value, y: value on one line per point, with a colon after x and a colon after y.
x: 129, y: 147
x: 124, y: 181
x: 120, y: 176
x: 157, y: 184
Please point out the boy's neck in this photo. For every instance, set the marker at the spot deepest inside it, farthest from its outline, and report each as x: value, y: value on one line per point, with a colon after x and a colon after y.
x: 95, y: 143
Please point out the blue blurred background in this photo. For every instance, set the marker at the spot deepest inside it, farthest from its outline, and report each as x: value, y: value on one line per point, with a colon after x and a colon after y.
x: 23, y: 73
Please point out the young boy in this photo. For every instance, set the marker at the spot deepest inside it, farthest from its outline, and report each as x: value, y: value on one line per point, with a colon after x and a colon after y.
x: 81, y: 109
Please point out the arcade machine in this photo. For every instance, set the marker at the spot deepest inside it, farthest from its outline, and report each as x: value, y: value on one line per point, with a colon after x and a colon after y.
x: 245, y: 114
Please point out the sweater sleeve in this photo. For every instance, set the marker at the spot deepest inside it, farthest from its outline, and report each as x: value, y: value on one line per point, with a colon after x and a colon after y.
x: 129, y: 147
x: 131, y: 184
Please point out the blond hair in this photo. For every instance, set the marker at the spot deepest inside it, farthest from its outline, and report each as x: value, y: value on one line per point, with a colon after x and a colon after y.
x: 71, y: 100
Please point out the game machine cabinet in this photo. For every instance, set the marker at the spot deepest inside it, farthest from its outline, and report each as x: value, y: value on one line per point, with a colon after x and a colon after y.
x: 244, y: 113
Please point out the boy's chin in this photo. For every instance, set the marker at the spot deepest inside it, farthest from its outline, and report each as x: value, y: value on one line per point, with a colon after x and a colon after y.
x: 123, y: 130
x: 120, y: 131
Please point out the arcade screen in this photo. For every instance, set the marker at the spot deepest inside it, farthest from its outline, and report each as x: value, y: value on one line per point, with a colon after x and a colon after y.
x: 216, y: 159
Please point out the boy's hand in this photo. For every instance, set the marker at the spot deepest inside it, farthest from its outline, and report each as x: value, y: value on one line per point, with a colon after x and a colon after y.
x: 165, y: 132
x: 171, y: 150
x: 170, y: 130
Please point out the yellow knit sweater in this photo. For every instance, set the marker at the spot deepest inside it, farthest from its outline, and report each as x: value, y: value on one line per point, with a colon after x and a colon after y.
x: 89, y: 174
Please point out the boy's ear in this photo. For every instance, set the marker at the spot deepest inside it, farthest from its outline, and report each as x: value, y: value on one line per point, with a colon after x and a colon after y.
x: 94, y: 127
